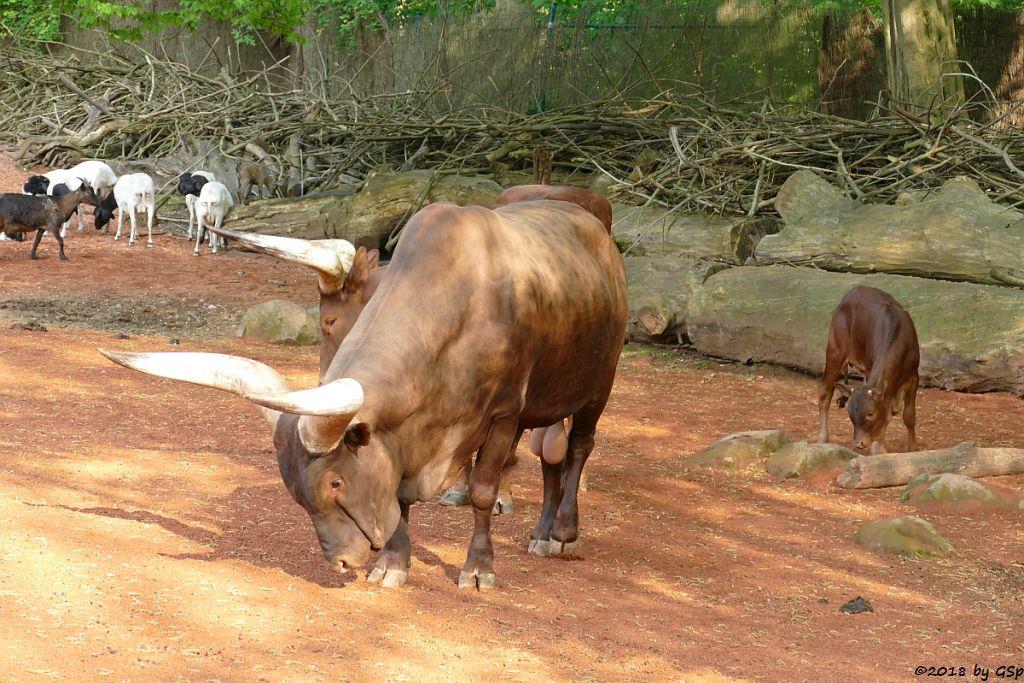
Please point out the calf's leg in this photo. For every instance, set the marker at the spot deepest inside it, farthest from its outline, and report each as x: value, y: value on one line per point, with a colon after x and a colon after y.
x: 835, y: 362
x: 483, y: 491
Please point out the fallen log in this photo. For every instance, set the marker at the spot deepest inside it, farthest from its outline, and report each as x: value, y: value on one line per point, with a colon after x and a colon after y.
x: 972, y: 336
x: 897, y: 469
x: 654, y: 231
x: 382, y: 206
x: 956, y: 233
x: 659, y: 293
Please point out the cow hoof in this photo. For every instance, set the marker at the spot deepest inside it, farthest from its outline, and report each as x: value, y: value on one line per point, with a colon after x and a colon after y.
x: 539, y: 548
x: 388, y: 578
x: 503, y: 506
x: 456, y: 496
x: 474, y: 579
x: 559, y: 548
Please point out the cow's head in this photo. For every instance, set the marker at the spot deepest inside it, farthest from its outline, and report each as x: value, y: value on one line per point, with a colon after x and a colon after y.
x: 346, y: 277
x: 868, y: 410
x: 332, y: 462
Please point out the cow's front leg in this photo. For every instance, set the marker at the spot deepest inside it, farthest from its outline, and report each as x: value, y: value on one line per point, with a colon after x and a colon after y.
x: 392, y: 568
x: 483, y: 492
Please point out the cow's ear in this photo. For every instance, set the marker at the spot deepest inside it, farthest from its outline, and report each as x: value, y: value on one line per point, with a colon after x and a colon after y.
x: 357, y: 435
x: 373, y: 258
x: 359, y: 272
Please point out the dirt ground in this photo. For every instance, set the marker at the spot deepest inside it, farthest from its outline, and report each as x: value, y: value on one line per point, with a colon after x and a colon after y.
x: 145, y: 534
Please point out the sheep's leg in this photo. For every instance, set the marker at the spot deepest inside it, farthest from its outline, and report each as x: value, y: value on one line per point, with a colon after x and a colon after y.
x: 199, y: 232
x: 35, y: 244
x: 81, y: 221
x: 120, y: 217
x: 133, y: 217
x: 191, y: 217
x: 150, y: 210
x: 214, y: 237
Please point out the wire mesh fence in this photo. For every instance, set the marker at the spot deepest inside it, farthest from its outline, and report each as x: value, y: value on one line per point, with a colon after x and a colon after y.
x: 788, y: 51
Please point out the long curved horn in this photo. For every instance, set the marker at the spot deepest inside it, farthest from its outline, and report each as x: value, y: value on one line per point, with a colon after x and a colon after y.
x: 331, y: 259
x: 326, y: 410
x: 230, y: 373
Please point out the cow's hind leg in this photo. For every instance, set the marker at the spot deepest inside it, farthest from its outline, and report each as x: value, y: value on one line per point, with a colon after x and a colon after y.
x: 483, y: 491
x: 540, y: 537
x: 458, y: 493
x: 565, y: 531
x: 392, y: 567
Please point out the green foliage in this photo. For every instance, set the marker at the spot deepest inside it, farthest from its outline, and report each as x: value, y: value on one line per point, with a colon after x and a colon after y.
x: 35, y: 19
x: 131, y: 20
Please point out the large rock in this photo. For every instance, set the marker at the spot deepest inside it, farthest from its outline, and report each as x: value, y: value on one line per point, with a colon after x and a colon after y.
x: 903, y: 536
x: 659, y: 294
x: 736, y: 451
x: 956, y: 233
x: 654, y: 231
x: 367, y: 218
x: 801, y: 457
x: 280, y: 322
x: 951, y: 488
x: 972, y: 336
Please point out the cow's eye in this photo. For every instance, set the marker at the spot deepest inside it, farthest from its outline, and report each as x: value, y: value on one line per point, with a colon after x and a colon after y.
x: 871, y: 416
x: 336, y: 484
x: 329, y: 322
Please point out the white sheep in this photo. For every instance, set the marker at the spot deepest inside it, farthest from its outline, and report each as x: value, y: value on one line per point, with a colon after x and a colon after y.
x: 190, y: 185
x: 213, y: 203
x: 96, y: 173
x: 135, y: 193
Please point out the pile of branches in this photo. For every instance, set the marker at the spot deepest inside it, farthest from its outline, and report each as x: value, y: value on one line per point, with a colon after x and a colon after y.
x: 680, y: 152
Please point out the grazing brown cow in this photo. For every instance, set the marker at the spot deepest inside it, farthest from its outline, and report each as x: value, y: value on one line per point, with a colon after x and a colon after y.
x: 871, y: 331
x: 344, y: 294
x: 489, y: 322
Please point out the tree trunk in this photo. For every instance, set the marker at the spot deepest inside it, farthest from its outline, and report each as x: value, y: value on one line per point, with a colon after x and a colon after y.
x: 850, y: 68
x: 897, y: 469
x: 956, y: 233
x: 920, y: 46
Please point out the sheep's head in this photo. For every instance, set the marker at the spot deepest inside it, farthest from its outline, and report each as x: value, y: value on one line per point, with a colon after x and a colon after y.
x: 191, y: 184
x: 87, y: 194
x: 102, y: 216
x: 36, y: 184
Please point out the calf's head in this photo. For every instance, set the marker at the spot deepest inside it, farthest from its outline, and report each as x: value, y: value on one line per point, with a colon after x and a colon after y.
x: 331, y: 461
x: 869, y: 413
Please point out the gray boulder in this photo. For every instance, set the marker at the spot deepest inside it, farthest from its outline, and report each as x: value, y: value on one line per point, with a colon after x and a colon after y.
x: 801, y: 457
x: 736, y: 451
x: 950, y: 488
x: 903, y: 536
x: 280, y: 322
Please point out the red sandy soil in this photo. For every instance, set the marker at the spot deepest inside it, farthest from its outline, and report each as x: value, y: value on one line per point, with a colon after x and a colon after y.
x: 145, y: 534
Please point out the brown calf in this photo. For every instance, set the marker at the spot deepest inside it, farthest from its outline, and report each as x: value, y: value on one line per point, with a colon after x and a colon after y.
x: 872, y: 332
